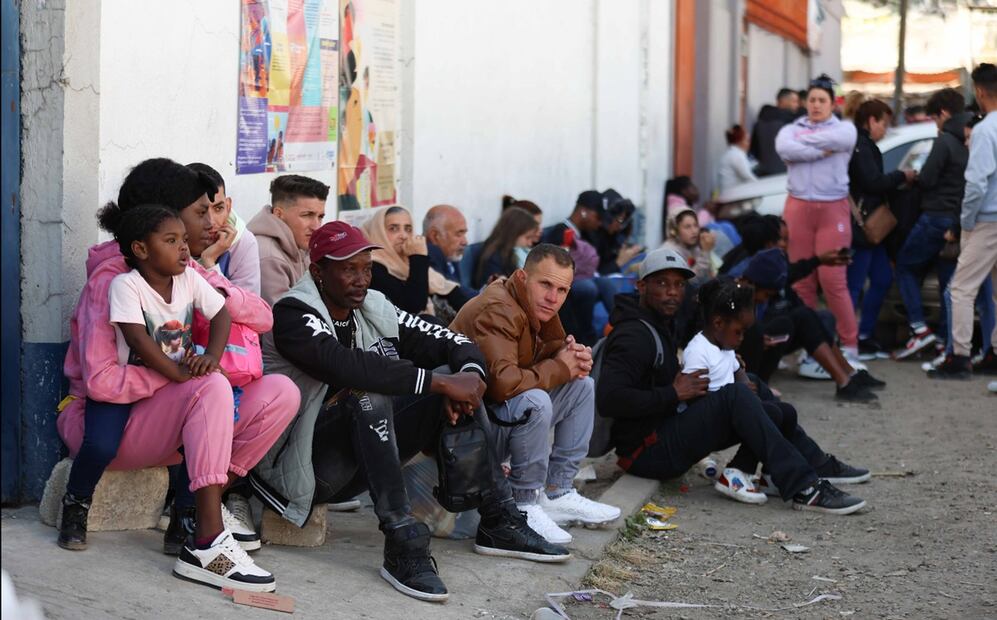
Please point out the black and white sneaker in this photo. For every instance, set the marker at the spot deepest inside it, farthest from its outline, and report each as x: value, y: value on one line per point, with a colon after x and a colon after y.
x: 408, y: 567
x: 222, y: 565
x: 511, y: 537
x: 836, y: 472
x: 958, y: 367
x: 870, y: 349
x: 866, y: 380
x: 237, y: 517
x: 824, y: 497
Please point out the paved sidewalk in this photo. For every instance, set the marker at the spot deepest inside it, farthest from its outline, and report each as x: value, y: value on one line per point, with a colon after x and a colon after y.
x: 125, y: 575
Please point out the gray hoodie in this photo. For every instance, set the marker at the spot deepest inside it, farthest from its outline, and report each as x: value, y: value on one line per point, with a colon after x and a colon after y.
x: 282, y: 263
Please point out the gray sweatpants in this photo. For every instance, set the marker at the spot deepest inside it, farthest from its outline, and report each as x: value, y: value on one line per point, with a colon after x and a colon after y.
x: 569, y: 410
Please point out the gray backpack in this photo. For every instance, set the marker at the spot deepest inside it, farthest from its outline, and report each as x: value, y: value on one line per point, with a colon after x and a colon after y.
x: 602, y: 427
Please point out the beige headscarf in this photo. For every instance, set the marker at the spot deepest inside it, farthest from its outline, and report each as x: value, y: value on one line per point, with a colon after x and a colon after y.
x: 396, y: 264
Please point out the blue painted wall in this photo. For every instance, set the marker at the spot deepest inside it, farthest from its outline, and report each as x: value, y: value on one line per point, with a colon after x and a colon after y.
x: 10, y: 250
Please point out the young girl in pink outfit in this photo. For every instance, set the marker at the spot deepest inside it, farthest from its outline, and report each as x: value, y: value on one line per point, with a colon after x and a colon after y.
x: 129, y: 416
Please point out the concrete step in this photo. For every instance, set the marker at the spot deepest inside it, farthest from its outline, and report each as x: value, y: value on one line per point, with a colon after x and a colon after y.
x: 123, y: 500
x: 276, y: 530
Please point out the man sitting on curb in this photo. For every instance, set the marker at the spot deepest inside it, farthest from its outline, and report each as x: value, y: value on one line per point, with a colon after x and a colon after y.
x: 538, y: 380
x: 369, y: 403
x: 654, y: 440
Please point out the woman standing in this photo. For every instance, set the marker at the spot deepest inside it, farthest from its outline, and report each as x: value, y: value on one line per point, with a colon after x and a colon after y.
x: 817, y: 148
x: 735, y: 168
x: 869, y: 189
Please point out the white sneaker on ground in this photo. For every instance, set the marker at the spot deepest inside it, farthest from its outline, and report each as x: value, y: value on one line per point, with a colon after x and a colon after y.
x: 574, y: 508
x: 735, y: 484
x: 853, y: 360
x: 810, y: 369
x: 237, y: 517
x: 933, y: 364
x: 916, y: 342
x: 541, y: 523
x: 992, y: 386
x: 223, y: 565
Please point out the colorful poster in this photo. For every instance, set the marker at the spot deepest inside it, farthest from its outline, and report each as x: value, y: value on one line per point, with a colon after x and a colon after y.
x: 369, y: 100
x: 288, y: 90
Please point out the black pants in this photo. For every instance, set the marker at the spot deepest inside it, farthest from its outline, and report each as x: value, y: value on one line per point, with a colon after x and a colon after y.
x: 805, y: 327
x: 783, y: 415
x: 731, y: 415
x: 361, y: 443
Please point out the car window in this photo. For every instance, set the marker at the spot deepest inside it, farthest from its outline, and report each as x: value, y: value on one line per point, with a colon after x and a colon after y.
x: 908, y: 155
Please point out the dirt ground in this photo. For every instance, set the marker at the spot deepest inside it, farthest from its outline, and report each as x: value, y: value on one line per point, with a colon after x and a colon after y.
x: 925, y: 547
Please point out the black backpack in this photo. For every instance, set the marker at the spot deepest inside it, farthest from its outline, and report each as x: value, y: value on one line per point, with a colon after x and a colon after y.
x: 464, y: 466
x: 602, y: 427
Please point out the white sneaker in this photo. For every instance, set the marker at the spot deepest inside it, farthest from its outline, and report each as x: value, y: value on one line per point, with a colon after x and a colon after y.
x: 237, y: 517
x: 223, y: 565
x: 810, y: 369
x: 574, y: 508
x: 992, y: 387
x: 736, y: 485
x: 933, y: 364
x: 542, y: 524
x: 853, y: 360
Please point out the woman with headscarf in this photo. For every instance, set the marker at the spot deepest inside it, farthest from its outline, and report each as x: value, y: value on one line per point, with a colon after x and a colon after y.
x: 401, y: 270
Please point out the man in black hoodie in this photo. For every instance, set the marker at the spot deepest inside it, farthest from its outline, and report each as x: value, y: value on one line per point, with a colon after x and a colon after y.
x: 654, y: 440
x: 770, y: 120
x: 941, y: 183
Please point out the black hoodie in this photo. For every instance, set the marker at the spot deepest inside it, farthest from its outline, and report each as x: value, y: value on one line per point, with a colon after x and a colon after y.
x: 868, y: 184
x: 629, y: 390
x: 942, y: 178
x: 770, y: 120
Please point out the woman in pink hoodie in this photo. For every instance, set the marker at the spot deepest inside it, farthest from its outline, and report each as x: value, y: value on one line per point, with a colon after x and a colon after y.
x: 125, y: 417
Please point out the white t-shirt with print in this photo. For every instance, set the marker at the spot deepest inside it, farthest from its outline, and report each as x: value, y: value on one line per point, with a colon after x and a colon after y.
x: 169, y: 324
x: 701, y: 354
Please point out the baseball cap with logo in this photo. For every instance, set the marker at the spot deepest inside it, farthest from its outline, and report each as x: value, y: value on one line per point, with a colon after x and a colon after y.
x: 661, y: 259
x: 338, y: 241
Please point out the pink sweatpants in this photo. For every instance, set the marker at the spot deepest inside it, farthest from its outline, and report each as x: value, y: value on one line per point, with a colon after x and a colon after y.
x: 198, y: 414
x: 815, y: 228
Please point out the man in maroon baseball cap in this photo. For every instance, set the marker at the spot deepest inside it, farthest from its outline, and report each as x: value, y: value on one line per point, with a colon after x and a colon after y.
x: 372, y: 397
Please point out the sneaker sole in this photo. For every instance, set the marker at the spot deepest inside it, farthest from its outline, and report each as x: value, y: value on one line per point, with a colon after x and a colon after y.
x: 833, y: 511
x: 727, y: 492
x: 70, y: 546
x: 522, y: 555
x: 353, y: 504
x: 852, y: 480
x: 905, y: 353
x: 249, y: 545
x: 814, y: 376
x: 407, y: 591
x: 187, y: 572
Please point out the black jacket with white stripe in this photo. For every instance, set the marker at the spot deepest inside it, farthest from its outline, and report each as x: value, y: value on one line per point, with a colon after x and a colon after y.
x: 393, y: 366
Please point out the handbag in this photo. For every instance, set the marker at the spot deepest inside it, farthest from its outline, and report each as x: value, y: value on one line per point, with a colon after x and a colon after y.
x: 876, y: 224
x: 242, y: 359
x: 464, y: 466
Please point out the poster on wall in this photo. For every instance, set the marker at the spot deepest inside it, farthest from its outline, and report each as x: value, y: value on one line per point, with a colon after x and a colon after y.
x: 288, y: 86
x: 369, y: 100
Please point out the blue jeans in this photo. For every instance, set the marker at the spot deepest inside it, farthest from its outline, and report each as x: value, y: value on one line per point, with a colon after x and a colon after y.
x: 984, y: 306
x: 872, y: 264
x: 919, y: 251
x: 576, y: 313
x: 103, y: 427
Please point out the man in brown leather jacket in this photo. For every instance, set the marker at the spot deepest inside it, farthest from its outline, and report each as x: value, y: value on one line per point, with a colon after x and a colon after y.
x: 538, y: 381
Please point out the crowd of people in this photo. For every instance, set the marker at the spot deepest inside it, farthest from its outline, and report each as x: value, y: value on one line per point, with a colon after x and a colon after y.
x: 307, y: 363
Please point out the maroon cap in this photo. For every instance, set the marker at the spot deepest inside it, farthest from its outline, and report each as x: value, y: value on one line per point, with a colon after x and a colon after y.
x: 338, y: 241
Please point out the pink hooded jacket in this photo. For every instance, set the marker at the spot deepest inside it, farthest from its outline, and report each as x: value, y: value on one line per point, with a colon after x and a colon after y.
x: 92, y: 360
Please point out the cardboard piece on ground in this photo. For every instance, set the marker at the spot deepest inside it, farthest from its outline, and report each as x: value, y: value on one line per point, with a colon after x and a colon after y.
x: 263, y: 600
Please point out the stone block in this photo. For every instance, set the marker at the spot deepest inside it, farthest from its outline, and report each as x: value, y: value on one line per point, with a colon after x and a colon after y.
x: 276, y: 530
x: 123, y: 500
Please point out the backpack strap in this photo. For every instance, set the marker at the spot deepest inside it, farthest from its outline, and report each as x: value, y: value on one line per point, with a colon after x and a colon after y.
x: 659, y: 349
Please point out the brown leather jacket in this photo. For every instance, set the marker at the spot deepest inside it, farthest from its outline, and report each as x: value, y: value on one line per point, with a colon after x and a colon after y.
x: 519, y: 350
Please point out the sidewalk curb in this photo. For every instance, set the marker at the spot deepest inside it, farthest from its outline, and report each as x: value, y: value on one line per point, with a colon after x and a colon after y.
x: 628, y: 493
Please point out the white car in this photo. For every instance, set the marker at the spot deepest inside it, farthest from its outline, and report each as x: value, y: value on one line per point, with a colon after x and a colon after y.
x: 902, y: 147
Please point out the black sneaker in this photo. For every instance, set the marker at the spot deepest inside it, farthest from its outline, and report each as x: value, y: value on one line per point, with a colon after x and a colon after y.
x: 836, y: 472
x: 408, y: 567
x: 854, y: 392
x: 182, y: 525
x: 870, y: 349
x: 987, y: 365
x: 510, y: 536
x: 866, y: 380
x: 73, y: 529
x: 824, y: 497
x: 954, y: 367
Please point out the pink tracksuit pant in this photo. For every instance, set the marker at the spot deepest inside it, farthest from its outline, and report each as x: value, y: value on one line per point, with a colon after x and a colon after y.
x: 198, y: 415
x: 815, y: 228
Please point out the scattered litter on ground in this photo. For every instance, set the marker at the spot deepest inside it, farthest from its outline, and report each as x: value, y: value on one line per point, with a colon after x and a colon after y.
x: 819, y: 578
x: 796, y: 548
x: 263, y: 600
x: 894, y: 474
x: 778, y: 536
x: 657, y: 525
x: 662, y: 512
